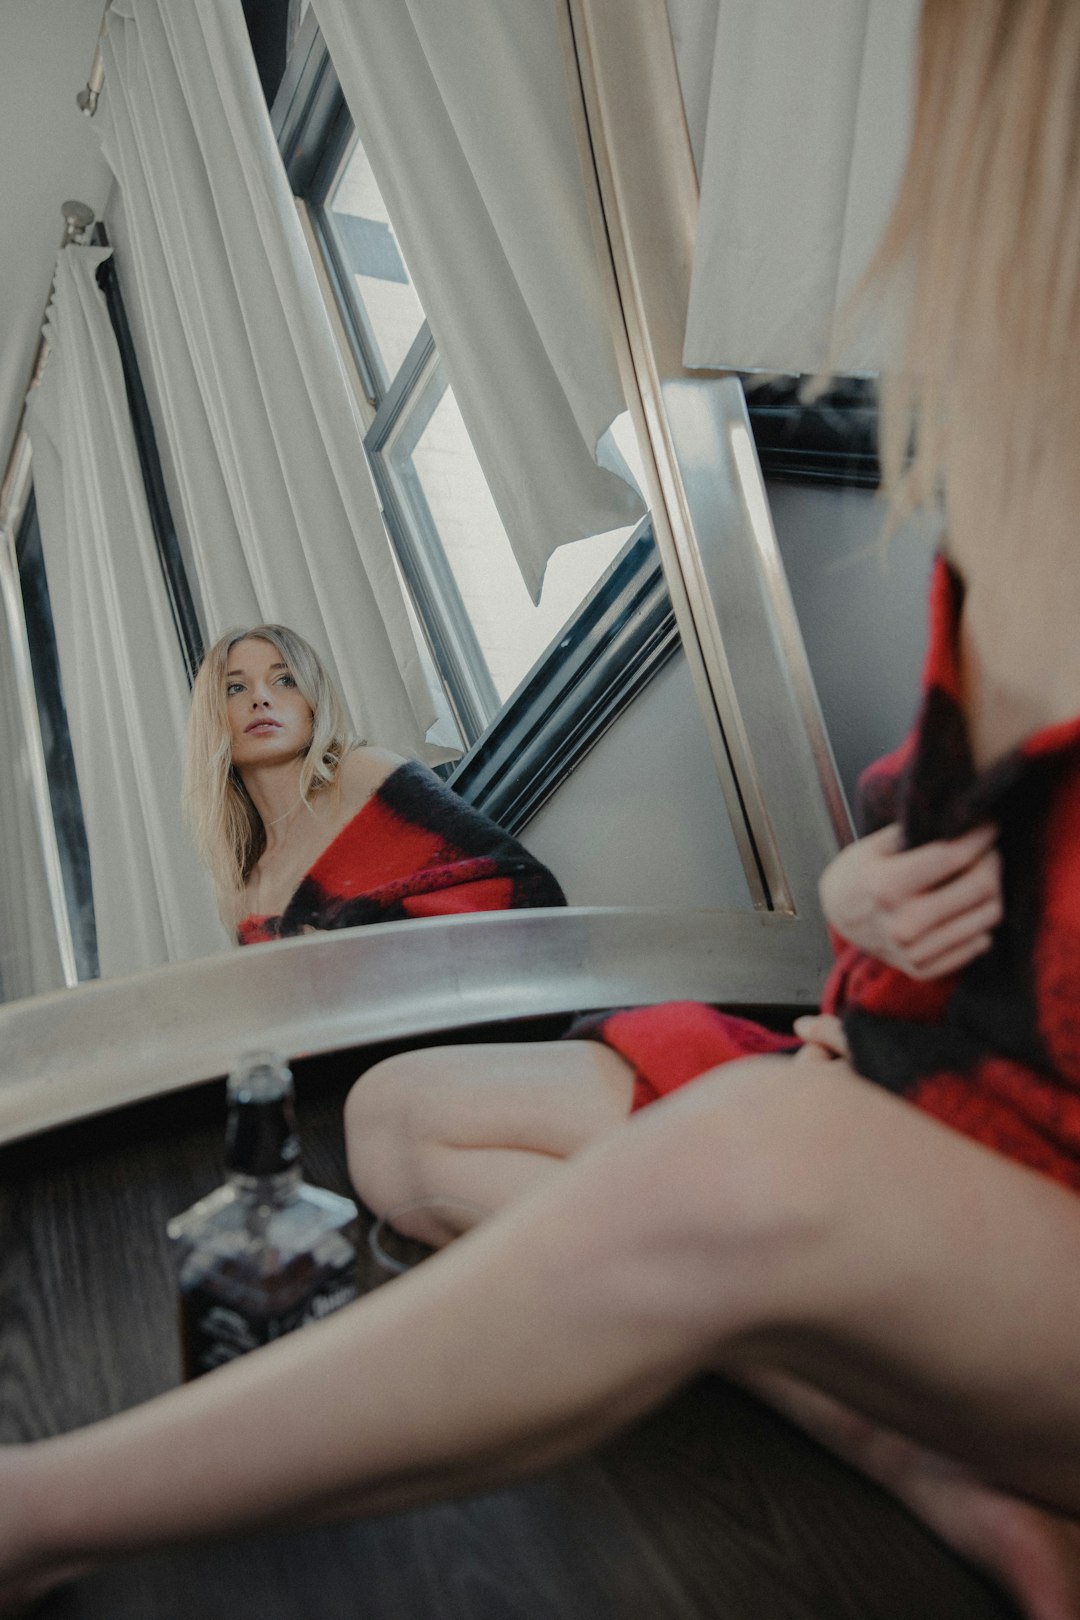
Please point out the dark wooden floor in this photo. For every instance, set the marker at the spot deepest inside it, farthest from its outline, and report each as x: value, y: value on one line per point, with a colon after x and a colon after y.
x: 712, y: 1508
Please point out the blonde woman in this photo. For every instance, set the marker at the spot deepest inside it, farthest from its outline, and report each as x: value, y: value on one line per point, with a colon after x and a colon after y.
x: 893, y: 1283
x: 304, y: 829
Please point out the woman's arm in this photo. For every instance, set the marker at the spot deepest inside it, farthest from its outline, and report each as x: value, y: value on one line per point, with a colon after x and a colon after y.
x: 927, y: 911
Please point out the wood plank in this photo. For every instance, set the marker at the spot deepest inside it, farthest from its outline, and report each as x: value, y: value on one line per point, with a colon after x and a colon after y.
x: 713, y: 1507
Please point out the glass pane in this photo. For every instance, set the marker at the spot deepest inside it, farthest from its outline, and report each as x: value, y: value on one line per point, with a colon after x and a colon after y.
x: 56, y: 742
x: 436, y: 471
x: 365, y: 240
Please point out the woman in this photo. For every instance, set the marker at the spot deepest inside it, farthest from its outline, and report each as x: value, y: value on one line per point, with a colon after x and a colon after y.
x: 891, y: 1282
x: 303, y: 828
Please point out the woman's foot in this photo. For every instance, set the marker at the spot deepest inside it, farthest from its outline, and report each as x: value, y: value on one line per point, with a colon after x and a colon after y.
x: 1031, y: 1551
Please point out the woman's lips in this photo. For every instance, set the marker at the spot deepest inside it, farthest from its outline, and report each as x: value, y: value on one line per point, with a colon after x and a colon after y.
x: 263, y: 725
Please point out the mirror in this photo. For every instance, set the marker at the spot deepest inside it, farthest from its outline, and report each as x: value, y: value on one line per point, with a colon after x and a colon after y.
x: 616, y: 833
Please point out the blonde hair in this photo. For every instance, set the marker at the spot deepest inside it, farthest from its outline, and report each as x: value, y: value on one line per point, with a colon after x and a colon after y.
x: 982, y: 407
x: 228, y: 830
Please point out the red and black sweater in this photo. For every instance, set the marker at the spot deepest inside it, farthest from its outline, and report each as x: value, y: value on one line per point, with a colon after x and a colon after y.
x: 993, y: 1050
x: 415, y: 849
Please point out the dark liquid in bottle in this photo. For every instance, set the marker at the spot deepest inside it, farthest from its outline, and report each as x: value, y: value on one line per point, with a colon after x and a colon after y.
x: 224, y: 1312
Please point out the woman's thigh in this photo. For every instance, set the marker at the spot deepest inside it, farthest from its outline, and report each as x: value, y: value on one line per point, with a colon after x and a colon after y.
x: 865, y: 1247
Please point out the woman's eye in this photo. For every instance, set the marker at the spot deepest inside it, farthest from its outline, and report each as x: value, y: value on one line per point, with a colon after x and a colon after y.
x: 232, y: 688
x: 286, y: 680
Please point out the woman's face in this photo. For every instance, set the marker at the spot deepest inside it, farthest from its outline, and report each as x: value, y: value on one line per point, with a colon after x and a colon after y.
x: 269, y: 718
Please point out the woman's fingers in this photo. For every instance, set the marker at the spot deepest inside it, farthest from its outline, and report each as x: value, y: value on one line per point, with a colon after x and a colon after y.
x: 957, y: 933
x: 823, y: 1033
x: 952, y: 961
x: 976, y: 892
x: 916, y: 909
x: 930, y: 866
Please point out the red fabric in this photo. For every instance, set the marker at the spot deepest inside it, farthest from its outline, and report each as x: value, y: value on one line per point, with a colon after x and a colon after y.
x: 485, y: 894
x: 413, y: 850
x: 993, y: 1051
x: 673, y: 1043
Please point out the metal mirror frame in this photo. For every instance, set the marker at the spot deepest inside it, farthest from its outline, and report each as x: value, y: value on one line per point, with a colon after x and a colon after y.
x: 110, y: 1043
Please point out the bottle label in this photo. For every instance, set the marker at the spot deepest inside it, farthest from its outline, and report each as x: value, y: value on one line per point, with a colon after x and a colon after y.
x: 213, y: 1332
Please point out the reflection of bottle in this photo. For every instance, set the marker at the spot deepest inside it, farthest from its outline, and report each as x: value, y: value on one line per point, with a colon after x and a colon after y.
x: 265, y: 1253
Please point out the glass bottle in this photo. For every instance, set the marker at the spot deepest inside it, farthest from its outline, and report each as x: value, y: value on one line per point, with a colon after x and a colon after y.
x: 266, y: 1252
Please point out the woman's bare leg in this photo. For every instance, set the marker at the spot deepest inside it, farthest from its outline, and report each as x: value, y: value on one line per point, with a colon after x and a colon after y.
x: 480, y: 1124
x: 1032, y: 1551
x: 784, y: 1214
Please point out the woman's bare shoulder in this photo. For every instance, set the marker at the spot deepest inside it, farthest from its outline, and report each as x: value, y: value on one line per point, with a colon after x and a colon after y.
x: 363, y: 772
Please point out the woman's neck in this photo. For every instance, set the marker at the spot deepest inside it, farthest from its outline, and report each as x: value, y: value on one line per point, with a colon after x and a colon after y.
x: 1006, y: 697
x: 275, y: 792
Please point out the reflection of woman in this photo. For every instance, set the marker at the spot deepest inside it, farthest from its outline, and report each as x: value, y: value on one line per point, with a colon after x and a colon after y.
x: 889, y: 1281
x: 302, y: 828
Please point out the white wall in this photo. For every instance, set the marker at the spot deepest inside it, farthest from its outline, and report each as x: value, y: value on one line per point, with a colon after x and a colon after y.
x: 51, y: 155
x: 642, y: 820
x: 861, y: 606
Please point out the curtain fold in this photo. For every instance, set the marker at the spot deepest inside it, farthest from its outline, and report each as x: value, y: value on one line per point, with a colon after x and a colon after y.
x: 465, y: 115
x: 807, y: 128
x: 121, y: 669
x: 277, y: 499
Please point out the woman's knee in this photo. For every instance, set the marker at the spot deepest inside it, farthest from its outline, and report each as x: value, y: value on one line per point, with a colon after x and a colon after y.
x: 383, y: 1126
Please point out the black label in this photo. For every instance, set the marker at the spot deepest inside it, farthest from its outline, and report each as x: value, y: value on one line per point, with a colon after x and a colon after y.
x: 214, y: 1331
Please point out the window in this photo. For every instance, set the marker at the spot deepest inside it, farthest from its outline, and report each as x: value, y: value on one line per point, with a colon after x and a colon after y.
x: 500, y: 661
x: 483, y: 632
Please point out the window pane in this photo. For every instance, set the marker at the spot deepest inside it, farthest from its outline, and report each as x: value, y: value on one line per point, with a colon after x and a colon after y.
x: 64, y: 797
x: 365, y: 240
x: 434, y: 468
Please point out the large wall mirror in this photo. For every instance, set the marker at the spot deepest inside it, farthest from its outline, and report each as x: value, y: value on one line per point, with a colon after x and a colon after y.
x: 647, y: 722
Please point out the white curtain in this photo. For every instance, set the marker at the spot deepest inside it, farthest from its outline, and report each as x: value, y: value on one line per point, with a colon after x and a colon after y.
x: 123, y: 679
x: 277, y: 500
x: 465, y: 114
x: 807, y: 126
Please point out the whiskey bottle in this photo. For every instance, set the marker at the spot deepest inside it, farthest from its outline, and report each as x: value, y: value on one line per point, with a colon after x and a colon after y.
x: 266, y: 1252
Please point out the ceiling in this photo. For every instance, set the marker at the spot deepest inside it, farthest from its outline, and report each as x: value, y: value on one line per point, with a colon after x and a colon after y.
x: 50, y: 155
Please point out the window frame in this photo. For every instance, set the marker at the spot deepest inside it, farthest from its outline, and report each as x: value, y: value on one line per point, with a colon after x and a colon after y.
x: 452, y: 641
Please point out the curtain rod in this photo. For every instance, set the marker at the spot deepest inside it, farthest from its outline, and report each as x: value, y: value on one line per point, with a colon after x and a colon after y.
x: 14, y: 488
x: 87, y: 100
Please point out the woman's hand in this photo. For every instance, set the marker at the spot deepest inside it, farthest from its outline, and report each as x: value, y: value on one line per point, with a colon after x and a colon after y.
x: 823, y: 1038
x: 927, y: 911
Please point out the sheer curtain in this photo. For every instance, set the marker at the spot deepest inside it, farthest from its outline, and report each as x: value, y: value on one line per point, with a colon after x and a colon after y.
x: 465, y: 114
x: 276, y: 496
x: 805, y: 132
x: 121, y: 669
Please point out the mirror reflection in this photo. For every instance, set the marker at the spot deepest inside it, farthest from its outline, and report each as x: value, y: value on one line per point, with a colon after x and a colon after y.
x: 305, y: 829
x: 438, y: 486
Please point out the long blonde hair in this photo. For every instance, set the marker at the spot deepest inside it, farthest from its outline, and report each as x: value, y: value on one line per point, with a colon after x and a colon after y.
x: 983, y: 405
x: 227, y: 829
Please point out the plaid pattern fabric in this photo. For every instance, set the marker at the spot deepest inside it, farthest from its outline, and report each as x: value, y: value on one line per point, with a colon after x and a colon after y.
x: 415, y: 849
x: 994, y: 1050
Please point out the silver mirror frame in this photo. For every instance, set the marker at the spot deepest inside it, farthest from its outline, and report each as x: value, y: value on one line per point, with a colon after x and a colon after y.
x: 103, y: 1045
x: 710, y: 515
x: 78, y: 1052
